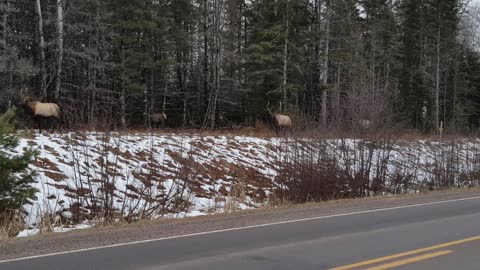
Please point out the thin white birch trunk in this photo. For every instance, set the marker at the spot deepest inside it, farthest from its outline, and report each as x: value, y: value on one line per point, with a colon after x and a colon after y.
x: 43, y: 71
x: 437, y: 83
x: 285, y: 61
x: 59, y: 48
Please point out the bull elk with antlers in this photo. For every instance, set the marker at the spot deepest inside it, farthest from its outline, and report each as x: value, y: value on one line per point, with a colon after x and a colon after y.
x: 280, y: 122
x: 41, y: 112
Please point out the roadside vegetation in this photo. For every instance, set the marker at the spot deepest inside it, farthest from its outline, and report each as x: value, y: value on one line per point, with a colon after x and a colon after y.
x: 15, y: 180
x: 89, y: 178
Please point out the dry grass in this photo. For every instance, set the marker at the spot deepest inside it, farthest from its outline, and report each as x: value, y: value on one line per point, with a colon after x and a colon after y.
x: 318, y: 184
x: 11, y: 223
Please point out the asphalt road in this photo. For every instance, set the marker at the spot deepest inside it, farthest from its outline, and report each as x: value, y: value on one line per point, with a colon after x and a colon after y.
x: 437, y: 236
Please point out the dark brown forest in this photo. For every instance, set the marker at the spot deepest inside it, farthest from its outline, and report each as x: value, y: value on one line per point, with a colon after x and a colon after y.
x: 219, y: 63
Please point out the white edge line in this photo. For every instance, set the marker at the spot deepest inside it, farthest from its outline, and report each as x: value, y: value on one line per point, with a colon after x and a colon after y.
x: 235, y: 229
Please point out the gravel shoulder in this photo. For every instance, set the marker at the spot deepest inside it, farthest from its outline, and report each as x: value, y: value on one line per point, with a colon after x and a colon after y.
x: 108, y: 235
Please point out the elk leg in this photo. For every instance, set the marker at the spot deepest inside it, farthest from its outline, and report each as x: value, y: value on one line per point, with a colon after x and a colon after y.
x: 55, y: 123
x: 51, y: 121
x: 39, y: 121
x: 48, y: 125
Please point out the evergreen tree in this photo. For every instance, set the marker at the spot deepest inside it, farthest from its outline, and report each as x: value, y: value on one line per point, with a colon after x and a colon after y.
x: 414, y: 93
x: 467, y: 103
x: 15, y: 180
x: 276, y: 53
x: 16, y: 65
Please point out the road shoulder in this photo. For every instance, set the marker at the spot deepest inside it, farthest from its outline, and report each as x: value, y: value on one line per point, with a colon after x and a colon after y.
x: 111, y: 235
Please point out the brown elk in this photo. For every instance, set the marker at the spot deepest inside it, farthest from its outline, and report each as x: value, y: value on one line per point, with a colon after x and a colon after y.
x: 280, y: 121
x: 365, y: 124
x: 40, y: 111
x: 158, y: 119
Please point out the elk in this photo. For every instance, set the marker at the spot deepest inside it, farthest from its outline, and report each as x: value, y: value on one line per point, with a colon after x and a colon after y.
x: 280, y: 121
x: 40, y: 111
x: 158, y: 119
x: 365, y: 124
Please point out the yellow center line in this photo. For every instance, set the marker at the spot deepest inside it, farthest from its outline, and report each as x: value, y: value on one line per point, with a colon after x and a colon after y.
x: 410, y: 260
x: 408, y: 253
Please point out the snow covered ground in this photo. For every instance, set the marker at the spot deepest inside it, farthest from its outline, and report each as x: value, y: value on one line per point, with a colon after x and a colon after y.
x: 82, y: 177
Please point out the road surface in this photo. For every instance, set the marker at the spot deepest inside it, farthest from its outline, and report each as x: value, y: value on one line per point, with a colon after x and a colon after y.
x: 438, y: 234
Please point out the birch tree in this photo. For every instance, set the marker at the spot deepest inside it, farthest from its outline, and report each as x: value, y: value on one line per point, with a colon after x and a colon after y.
x: 60, y: 38
x: 41, y: 45
x: 324, y: 73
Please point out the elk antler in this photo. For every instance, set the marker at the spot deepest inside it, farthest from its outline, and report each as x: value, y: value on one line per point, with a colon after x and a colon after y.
x: 24, y: 93
x: 269, y: 110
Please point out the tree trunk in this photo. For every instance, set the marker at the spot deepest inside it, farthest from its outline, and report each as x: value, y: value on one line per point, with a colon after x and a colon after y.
x: 123, y: 102
x: 337, y: 96
x: 324, y: 74
x: 437, y: 83
x: 205, y: 56
x: 164, y: 102
x: 4, y: 26
x: 59, y: 49
x: 4, y: 43
x: 123, y: 108
x: 217, y: 37
x: 93, y: 83
x: 146, y: 113
x: 285, y: 62
x: 184, y: 117
x: 454, y: 101
x: 373, y: 74
x: 43, y: 71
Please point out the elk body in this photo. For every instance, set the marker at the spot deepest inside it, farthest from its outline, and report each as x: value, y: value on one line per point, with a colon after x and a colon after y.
x: 158, y: 119
x: 49, y: 112
x: 365, y: 124
x: 282, y: 121
x: 279, y: 122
